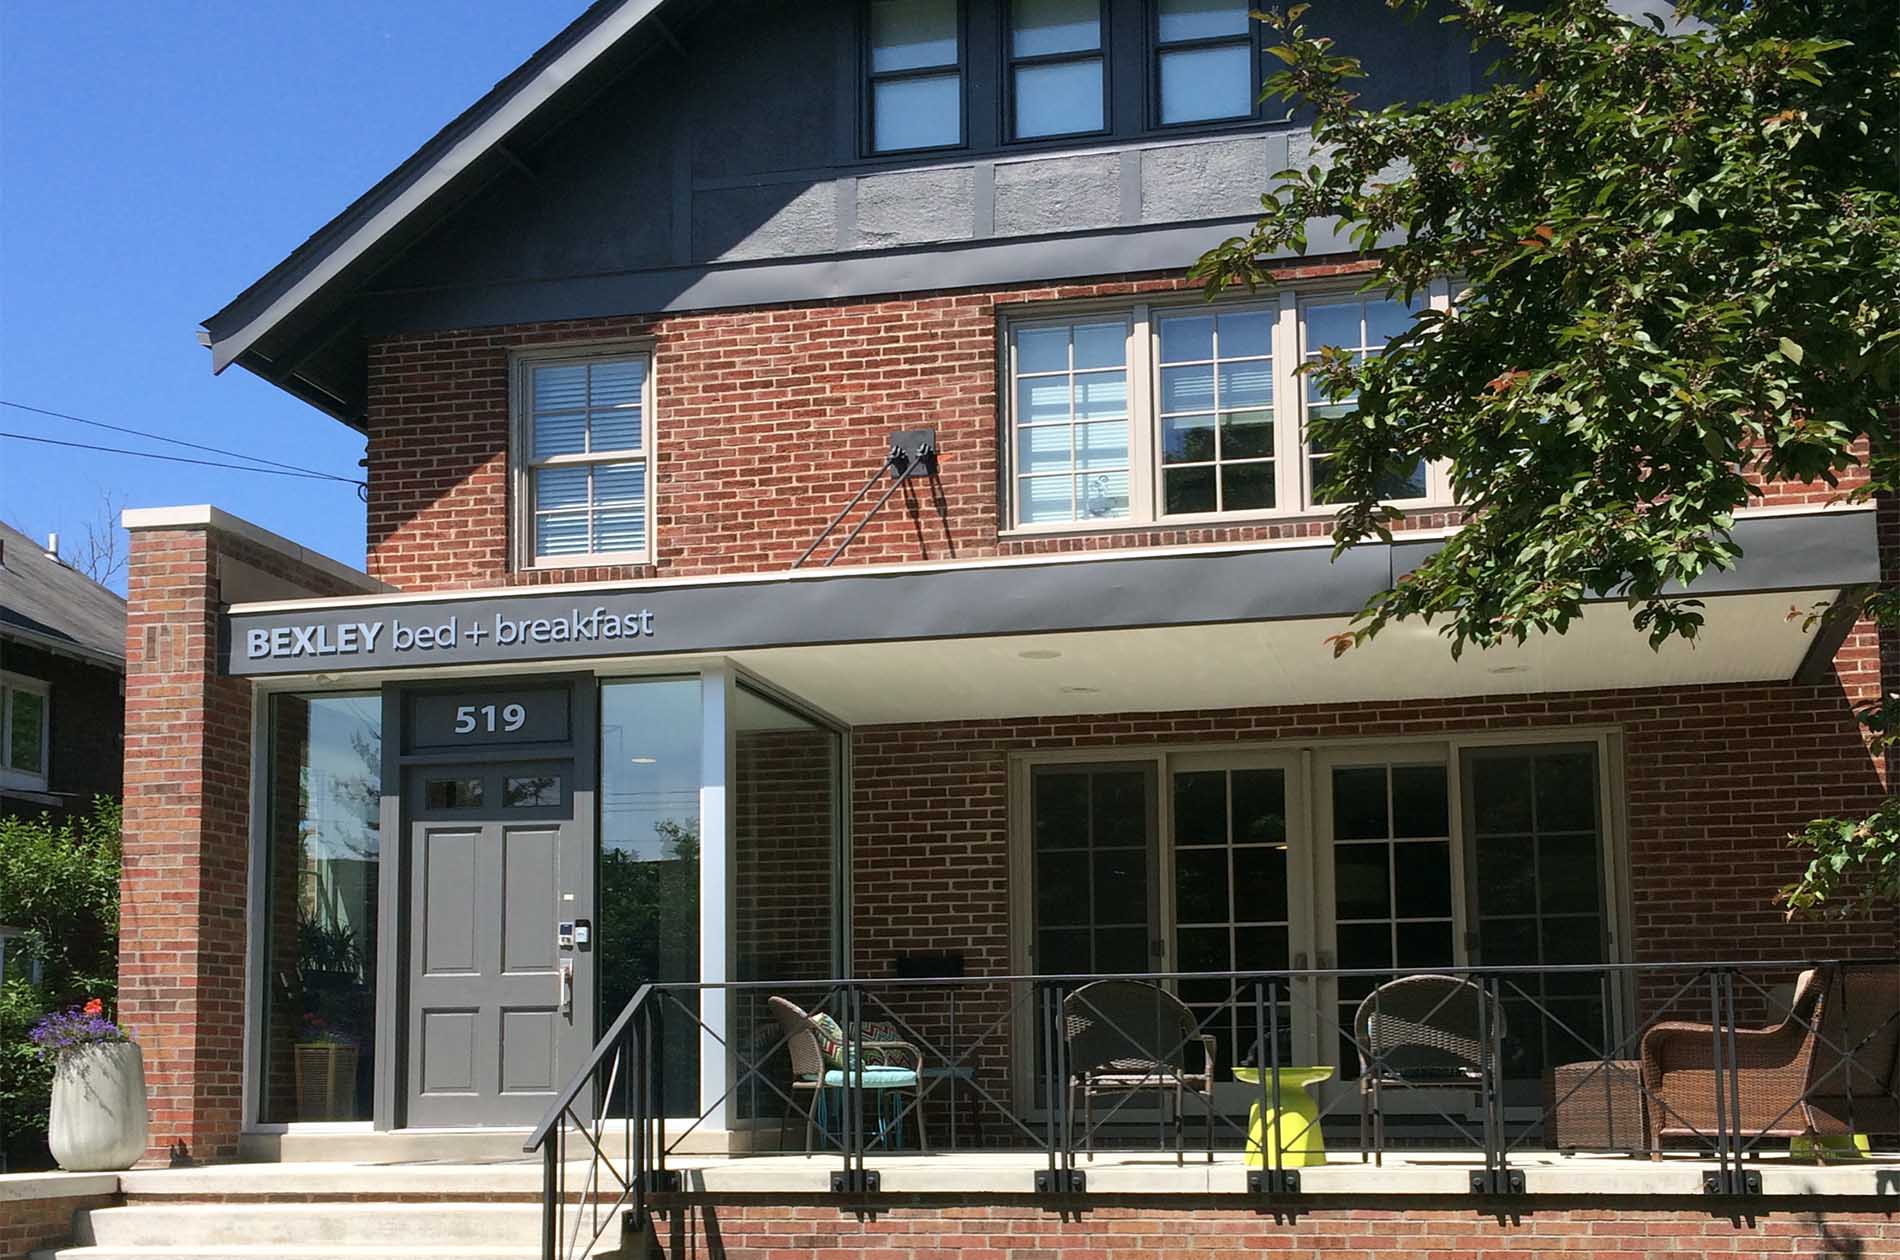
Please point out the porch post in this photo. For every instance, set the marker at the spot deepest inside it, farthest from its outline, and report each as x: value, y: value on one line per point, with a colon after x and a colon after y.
x: 715, y: 867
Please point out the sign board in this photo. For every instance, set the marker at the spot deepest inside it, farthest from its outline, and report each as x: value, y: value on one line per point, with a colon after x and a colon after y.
x: 486, y: 718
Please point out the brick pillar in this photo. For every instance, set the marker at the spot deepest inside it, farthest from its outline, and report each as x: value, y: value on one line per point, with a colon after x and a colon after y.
x: 182, y: 894
x: 183, y: 915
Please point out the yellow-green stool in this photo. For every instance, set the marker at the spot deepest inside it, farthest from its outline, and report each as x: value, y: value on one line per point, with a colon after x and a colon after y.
x: 1830, y: 1149
x: 1294, y: 1115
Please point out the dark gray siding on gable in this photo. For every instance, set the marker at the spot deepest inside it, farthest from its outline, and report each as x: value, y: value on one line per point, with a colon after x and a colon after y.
x: 727, y: 169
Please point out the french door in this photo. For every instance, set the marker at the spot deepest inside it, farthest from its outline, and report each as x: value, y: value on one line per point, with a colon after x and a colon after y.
x: 1376, y: 859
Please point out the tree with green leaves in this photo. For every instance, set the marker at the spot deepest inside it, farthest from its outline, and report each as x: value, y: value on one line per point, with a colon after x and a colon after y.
x: 1676, y: 249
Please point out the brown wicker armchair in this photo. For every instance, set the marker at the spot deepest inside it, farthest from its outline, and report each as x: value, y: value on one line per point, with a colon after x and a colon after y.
x: 812, y: 1075
x: 1827, y: 1069
x: 1420, y: 1032
x: 1129, y: 1037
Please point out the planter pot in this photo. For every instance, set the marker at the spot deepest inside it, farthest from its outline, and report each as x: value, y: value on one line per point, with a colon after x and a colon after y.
x: 326, y: 1081
x: 97, y: 1122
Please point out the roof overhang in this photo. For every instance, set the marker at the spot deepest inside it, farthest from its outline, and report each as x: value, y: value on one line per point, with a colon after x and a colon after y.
x: 1136, y: 631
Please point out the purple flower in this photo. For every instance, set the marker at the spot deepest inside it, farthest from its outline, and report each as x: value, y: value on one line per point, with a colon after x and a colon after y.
x: 60, y: 1031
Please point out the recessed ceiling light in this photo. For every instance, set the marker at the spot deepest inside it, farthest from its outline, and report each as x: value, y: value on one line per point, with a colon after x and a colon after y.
x: 643, y: 761
x: 1040, y: 654
x: 1081, y: 691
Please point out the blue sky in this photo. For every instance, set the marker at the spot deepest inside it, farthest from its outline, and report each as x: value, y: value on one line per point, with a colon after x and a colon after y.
x: 155, y: 158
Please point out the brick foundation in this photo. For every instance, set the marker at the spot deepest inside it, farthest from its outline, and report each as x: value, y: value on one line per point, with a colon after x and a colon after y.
x: 1187, y: 1230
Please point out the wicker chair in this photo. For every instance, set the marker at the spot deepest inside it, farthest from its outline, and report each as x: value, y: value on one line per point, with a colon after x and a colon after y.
x: 1128, y: 1037
x: 1826, y: 1070
x: 811, y: 1074
x: 1420, y: 1032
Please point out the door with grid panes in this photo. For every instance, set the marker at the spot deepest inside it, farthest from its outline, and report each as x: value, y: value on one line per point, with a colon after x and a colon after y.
x: 1239, y: 864
x: 1386, y: 896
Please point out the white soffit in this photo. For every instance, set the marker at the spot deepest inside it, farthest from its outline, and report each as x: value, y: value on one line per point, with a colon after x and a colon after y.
x: 1747, y: 638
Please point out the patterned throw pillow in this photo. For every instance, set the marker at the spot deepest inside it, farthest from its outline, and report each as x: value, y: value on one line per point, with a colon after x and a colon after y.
x: 830, y: 1039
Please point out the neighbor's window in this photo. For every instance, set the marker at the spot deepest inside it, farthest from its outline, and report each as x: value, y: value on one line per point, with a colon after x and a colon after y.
x: 1203, y: 60
x: 1182, y: 411
x: 915, y: 58
x: 1055, y: 67
x: 23, y: 717
x: 1361, y: 326
x: 583, y: 452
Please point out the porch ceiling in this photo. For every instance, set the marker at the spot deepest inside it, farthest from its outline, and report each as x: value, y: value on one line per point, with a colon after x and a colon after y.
x: 1747, y: 638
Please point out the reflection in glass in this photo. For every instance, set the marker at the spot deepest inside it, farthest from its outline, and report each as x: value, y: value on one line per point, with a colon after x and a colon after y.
x: 521, y: 792
x: 324, y: 812
x: 647, y: 902
x: 452, y: 793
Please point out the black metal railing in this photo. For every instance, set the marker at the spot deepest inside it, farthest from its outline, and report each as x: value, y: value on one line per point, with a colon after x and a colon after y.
x: 1712, y: 1060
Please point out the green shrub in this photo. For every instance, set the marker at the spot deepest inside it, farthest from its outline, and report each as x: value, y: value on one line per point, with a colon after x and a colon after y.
x: 60, y: 883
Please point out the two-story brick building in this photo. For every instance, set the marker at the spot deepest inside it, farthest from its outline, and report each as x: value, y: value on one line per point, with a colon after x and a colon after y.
x: 610, y: 706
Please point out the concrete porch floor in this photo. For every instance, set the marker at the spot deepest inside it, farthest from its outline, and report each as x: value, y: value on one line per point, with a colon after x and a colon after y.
x: 1012, y: 1173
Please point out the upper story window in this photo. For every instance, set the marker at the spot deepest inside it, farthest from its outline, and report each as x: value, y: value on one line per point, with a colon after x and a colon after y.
x: 583, y: 446
x: 1181, y: 411
x: 1361, y: 326
x: 1204, y: 61
x: 23, y: 731
x: 915, y: 60
x: 1056, y: 79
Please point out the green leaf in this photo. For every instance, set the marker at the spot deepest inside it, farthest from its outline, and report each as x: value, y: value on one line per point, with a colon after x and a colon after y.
x: 1791, y: 350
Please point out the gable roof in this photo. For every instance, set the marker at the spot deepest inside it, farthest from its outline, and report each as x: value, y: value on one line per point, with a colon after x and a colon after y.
x: 291, y: 315
x: 55, y: 606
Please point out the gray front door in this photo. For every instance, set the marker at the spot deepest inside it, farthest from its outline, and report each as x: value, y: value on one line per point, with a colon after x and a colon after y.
x: 500, y: 997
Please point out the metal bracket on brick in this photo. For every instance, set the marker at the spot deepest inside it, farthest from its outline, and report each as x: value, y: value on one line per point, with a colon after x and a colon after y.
x: 1061, y: 1181
x: 1734, y: 1183
x: 857, y: 1181
x: 664, y: 1181
x: 914, y: 446
x: 1498, y: 1181
x: 1272, y: 1182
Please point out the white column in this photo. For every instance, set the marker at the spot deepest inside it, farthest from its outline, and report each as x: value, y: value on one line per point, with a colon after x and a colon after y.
x: 715, y: 883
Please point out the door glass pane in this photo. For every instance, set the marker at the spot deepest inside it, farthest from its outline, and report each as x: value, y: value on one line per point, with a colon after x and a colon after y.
x: 522, y: 791
x: 1093, y: 828
x: 1537, y: 879
x: 322, y: 871
x: 454, y: 793
x: 647, y: 900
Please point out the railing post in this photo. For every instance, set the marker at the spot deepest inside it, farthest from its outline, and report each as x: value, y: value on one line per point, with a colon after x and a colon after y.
x: 1498, y: 1176
x: 550, y: 1211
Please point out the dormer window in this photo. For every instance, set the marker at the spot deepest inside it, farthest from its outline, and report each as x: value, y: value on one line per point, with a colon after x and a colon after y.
x: 1056, y: 78
x: 915, y: 63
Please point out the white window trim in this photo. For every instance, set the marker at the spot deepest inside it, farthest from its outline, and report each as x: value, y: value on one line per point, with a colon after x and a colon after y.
x: 28, y: 779
x: 1291, y: 489
x: 521, y: 465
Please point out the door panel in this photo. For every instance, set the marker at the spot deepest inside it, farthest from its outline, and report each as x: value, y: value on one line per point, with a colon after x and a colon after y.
x: 497, y: 860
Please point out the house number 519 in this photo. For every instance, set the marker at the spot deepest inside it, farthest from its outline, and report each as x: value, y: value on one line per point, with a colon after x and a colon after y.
x: 470, y: 718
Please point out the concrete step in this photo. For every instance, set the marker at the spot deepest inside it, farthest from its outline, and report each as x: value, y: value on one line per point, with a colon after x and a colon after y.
x: 358, y: 1224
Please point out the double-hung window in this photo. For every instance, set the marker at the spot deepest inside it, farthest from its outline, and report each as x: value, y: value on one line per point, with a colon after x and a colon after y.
x: 23, y: 731
x: 583, y: 443
x: 1203, y: 61
x: 1056, y: 80
x: 1185, y: 411
x: 914, y: 60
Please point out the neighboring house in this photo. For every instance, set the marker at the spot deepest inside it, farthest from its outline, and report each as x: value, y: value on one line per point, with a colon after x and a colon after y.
x: 623, y: 339
x: 62, y: 682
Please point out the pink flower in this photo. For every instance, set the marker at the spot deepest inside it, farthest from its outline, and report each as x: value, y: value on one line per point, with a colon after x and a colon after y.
x: 94, y: 1007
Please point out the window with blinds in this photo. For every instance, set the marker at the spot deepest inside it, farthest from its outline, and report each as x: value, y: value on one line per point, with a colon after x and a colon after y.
x: 583, y: 442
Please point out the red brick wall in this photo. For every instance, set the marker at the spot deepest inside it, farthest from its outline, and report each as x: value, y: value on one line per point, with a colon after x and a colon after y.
x: 187, y: 815
x: 1866, y: 1229
x: 767, y: 421
x: 26, y: 1225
